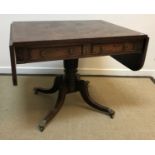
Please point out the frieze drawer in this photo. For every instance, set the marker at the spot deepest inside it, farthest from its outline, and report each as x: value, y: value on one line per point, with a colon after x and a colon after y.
x: 116, y: 48
x: 24, y: 55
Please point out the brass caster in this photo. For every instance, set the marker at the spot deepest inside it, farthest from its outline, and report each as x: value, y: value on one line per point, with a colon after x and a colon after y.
x: 112, y: 114
x: 42, y: 125
x: 35, y: 91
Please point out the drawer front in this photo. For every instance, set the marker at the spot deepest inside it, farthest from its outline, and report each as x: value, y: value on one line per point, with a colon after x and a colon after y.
x: 117, y: 48
x: 24, y: 55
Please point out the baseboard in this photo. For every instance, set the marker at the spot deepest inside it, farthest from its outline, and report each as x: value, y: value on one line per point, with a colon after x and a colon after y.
x: 82, y: 71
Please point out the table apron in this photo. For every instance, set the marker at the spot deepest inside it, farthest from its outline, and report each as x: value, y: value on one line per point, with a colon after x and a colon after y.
x: 36, y: 54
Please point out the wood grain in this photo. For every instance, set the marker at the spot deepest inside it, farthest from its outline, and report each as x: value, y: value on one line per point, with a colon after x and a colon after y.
x: 24, y: 32
x: 64, y: 40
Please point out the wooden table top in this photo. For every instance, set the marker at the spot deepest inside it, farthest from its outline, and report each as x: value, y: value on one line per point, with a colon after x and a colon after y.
x: 63, y: 40
x: 48, y: 31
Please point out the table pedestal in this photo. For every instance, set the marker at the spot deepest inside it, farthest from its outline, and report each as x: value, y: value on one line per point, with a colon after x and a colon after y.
x: 68, y: 83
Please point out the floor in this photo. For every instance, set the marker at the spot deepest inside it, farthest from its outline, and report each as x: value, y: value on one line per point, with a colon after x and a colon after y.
x: 133, y: 100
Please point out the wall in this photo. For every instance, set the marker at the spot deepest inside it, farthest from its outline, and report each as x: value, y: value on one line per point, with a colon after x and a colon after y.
x: 99, y: 65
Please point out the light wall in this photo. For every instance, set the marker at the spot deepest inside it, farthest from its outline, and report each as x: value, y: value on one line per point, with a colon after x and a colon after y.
x: 99, y: 65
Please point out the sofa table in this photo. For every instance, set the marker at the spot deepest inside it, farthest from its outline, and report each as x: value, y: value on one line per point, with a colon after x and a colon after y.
x: 68, y: 41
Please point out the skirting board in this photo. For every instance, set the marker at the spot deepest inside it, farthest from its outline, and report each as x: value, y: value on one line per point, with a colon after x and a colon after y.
x: 82, y: 71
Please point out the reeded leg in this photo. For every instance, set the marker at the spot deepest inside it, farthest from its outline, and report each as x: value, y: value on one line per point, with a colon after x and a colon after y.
x: 83, y: 87
x: 55, y: 110
x: 55, y: 87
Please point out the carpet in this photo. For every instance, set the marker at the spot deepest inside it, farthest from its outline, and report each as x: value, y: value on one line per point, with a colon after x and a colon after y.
x: 133, y: 100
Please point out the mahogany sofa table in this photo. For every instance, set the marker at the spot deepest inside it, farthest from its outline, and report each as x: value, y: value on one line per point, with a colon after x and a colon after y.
x: 69, y: 41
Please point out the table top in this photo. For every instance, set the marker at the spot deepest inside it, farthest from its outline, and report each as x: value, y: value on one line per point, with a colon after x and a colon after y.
x: 61, y: 40
x: 48, y: 31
